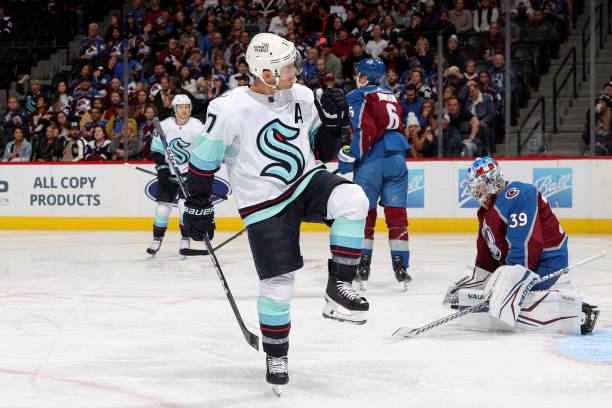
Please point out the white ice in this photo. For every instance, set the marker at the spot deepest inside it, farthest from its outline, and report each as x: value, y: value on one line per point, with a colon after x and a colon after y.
x: 87, y: 321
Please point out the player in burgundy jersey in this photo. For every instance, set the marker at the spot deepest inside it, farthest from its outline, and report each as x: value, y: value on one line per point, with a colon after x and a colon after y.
x: 519, y: 241
x: 377, y: 155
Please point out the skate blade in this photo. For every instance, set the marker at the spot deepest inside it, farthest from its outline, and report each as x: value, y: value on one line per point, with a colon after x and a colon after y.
x: 276, y: 389
x: 363, y: 285
x: 403, y: 286
x: 334, y: 311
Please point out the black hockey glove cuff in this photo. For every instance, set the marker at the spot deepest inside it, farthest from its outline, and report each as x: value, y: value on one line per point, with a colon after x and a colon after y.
x: 199, y: 219
x: 163, y: 172
x: 332, y: 106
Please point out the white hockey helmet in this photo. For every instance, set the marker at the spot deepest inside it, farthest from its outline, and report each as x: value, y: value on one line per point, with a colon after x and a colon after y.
x: 272, y: 52
x: 181, y: 99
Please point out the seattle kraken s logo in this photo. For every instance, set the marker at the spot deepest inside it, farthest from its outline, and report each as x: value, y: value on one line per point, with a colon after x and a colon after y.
x: 272, y: 142
x: 178, y: 147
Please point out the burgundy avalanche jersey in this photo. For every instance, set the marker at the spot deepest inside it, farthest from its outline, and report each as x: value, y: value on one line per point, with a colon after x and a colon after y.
x: 374, y: 110
x: 520, y: 229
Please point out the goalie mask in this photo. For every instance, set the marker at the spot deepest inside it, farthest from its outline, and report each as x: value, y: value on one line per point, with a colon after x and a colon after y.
x: 274, y: 53
x: 484, y: 179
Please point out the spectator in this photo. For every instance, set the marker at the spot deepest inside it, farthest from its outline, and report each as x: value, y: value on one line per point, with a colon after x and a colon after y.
x: 14, y: 116
x: 481, y: 106
x: 18, y: 149
x: 421, y: 142
x: 75, y: 145
x: 186, y: 81
x: 338, y: 9
x: 146, y: 130
x: 114, y: 87
x: 92, y: 46
x: 418, y: 81
x: 392, y: 82
x: 349, y: 65
x: 6, y: 24
x: 375, y: 46
x: 470, y: 71
x: 97, y: 148
x: 343, y: 46
x: 323, y: 24
x: 497, y: 74
x: 411, y: 102
x: 453, y: 56
x: 114, y: 43
x: 310, y: 66
x: 76, y: 82
x: 82, y: 99
x: 603, y: 122
x: 152, y: 15
x: 237, y: 50
x: 540, y: 30
x: 254, y: 22
x: 220, y: 67
x: 429, y: 20
x: 522, y: 7
x: 332, y: 63
x: 50, y: 147
x: 243, y: 69
x: 492, y: 43
x: 95, y: 119
x: 60, y: 97
x: 427, y: 117
x: 445, y: 25
x: 137, y: 11
x: 29, y: 98
x: 132, y: 28
x: 484, y: 16
x: 216, y: 49
x: 485, y: 87
x: 137, y: 107
x: 170, y: 57
x: 390, y: 32
x: 41, y: 117
x: 468, y: 126
x: 424, y: 55
x: 63, y: 127
x: 334, y: 33
x: 163, y: 99
x: 461, y: 18
x: 117, y: 145
x: 515, y: 30
x: 115, y: 124
x: 402, y: 15
x: 457, y: 81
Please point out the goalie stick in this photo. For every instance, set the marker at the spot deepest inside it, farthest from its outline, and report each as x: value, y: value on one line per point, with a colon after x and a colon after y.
x: 251, y: 338
x: 410, y: 332
x: 221, y: 196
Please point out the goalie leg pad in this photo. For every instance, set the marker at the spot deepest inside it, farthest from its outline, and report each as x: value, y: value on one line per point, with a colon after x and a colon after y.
x: 508, y: 289
x: 480, y: 319
x: 552, y: 311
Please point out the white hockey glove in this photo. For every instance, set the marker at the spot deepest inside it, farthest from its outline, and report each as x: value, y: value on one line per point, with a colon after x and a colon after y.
x: 508, y: 288
x: 473, y: 277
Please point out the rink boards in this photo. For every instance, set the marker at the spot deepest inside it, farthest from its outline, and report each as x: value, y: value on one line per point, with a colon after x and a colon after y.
x: 109, y: 196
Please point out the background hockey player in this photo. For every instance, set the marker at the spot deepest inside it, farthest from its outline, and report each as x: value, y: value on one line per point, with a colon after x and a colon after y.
x: 377, y: 155
x: 181, y: 131
x: 274, y: 136
x: 519, y: 241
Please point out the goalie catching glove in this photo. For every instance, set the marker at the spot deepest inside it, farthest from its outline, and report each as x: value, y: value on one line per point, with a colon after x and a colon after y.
x: 473, y: 277
x: 332, y: 106
x: 199, y: 219
x: 508, y: 287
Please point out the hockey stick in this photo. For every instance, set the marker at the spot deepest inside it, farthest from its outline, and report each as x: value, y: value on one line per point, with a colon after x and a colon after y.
x: 192, y: 252
x: 251, y: 338
x: 221, y: 196
x: 410, y: 332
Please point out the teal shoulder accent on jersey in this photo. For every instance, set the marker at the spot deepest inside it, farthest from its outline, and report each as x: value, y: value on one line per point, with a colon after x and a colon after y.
x: 273, y: 210
x: 311, y: 136
x: 157, y: 146
x: 207, y: 153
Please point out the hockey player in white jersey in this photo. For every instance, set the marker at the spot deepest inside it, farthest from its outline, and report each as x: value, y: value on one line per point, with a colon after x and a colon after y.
x: 181, y: 131
x: 275, y: 136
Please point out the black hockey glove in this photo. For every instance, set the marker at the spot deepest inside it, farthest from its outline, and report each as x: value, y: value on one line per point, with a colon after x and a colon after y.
x: 199, y: 219
x: 333, y: 107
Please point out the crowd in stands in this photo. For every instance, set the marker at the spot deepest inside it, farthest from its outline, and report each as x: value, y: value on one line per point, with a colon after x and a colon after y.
x: 197, y: 48
x: 603, y: 123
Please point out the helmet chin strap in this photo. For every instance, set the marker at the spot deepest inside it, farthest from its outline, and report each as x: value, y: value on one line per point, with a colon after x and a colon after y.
x: 359, y: 84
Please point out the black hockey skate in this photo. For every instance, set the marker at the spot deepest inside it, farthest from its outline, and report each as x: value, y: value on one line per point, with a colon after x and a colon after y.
x: 400, y: 273
x: 590, y: 318
x: 184, y: 248
x: 363, y: 271
x: 277, y: 372
x: 155, y: 245
x: 342, y: 303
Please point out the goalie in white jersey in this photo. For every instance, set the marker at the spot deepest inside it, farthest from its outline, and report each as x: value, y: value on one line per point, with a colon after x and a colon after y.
x: 181, y: 132
x: 275, y: 136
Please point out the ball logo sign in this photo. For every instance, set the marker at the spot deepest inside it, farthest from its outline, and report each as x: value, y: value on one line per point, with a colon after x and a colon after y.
x: 220, y: 186
x: 555, y: 184
x: 465, y: 198
x: 416, y: 189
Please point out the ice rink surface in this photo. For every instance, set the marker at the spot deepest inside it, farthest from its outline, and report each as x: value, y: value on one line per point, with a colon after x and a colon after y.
x: 86, y: 320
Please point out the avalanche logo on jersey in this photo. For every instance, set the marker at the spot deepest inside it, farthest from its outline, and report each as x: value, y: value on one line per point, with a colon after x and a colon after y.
x: 416, y: 189
x: 465, y: 198
x: 272, y: 142
x: 487, y: 234
x: 178, y: 148
x: 555, y: 184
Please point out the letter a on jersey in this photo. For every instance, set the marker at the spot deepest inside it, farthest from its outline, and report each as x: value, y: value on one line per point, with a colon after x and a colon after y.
x: 272, y: 142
